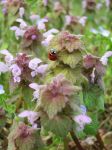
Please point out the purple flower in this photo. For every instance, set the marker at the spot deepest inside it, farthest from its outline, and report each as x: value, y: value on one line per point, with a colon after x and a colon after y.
x: 104, y: 58
x: 16, y: 72
x: 37, y: 68
x: 82, y: 120
x: 37, y: 89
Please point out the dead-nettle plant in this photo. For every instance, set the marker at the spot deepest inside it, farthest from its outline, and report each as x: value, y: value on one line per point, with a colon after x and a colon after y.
x: 68, y: 91
x: 72, y: 94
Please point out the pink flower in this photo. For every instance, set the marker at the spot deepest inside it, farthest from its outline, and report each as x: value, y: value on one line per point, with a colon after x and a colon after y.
x: 31, y: 115
x: 82, y: 20
x: 3, y: 67
x: 37, y: 89
x: 82, y: 120
x: 19, y: 31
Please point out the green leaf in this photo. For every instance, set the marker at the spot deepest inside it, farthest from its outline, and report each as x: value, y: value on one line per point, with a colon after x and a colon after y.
x: 71, y: 59
x: 59, y: 125
x: 91, y: 129
x: 94, y: 98
x: 27, y: 96
x: 52, y: 106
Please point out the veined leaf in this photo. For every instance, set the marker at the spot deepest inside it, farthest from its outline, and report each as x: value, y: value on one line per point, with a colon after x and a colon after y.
x: 59, y: 125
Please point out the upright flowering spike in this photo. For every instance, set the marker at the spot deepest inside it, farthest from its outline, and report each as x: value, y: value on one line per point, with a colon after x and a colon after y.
x: 32, y: 34
x: 55, y: 95
x: 23, y: 137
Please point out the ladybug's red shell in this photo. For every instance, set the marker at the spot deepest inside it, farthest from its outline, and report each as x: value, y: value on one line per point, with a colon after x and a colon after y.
x: 52, y: 56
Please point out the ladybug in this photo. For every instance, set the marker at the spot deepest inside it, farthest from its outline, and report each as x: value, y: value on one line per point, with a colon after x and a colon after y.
x: 52, y: 55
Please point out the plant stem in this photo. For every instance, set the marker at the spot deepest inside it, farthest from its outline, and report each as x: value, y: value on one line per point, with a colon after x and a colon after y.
x: 75, y: 139
x: 102, y: 146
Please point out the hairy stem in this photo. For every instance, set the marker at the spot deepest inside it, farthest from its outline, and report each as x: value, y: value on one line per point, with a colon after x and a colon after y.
x: 102, y: 146
x: 75, y: 139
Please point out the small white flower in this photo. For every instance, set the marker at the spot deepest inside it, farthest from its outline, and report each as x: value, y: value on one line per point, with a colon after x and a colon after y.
x: 50, y: 32
x: 82, y: 20
x: 1, y: 89
x: 48, y: 36
x: 21, y: 11
x: 99, y: 6
x: 34, y: 17
x: 104, y: 32
x: 94, y: 31
x: 23, y: 24
x: 101, y: 31
x: 46, y: 42
x: 93, y: 75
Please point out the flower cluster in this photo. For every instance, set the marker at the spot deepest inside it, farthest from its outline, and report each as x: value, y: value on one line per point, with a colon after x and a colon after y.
x: 22, y: 67
x: 23, y: 137
x: 94, y: 70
